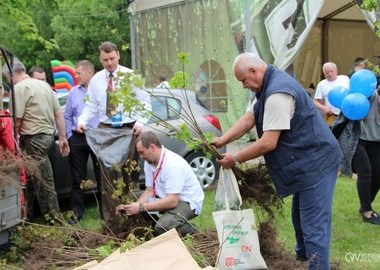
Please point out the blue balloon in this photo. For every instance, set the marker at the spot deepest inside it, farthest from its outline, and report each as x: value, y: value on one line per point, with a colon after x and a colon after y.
x: 355, y: 106
x: 363, y: 82
x: 336, y: 96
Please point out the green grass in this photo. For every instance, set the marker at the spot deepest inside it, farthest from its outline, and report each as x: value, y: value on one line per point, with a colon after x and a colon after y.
x: 350, y: 235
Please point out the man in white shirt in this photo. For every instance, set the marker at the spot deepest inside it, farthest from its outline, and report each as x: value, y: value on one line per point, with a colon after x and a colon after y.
x: 98, y: 104
x: 323, y: 88
x: 172, y: 187
x: 163, y: 83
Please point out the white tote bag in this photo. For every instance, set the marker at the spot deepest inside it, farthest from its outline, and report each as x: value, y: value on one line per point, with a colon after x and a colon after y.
x: 237, y: 233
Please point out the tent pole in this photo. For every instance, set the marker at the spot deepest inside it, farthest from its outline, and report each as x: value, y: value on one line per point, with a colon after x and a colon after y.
x: 248, y: 24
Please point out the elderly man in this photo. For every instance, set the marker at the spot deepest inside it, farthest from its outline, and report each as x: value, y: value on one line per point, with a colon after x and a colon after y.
x: 332, y: 79
x: 36, y: 108
x: 99, y: 105
x: 172, y: 188
x: 300, y: 151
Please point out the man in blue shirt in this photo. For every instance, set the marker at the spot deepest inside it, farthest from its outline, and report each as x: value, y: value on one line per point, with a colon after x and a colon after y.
x: 80, y: 151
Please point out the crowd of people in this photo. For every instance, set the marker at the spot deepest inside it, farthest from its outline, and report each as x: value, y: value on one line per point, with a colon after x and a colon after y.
x: 38, y: 114
x: 301, y: 153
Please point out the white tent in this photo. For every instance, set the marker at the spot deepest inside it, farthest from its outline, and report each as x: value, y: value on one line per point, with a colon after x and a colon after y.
x: 340, y: 34
x: 214, y: 32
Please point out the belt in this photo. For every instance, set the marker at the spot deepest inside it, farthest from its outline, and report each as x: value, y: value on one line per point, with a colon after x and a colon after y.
x: 77, y: 133
x: 37, y: 134
x: 125, y: 125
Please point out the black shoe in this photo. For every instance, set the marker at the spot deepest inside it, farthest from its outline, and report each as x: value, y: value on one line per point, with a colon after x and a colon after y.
x: 301, y: 258
x: 374, y: 218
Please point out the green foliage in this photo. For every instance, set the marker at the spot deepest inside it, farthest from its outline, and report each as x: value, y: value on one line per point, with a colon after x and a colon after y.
x: 80, y: 26
x: 372, y: 5
x: 118, y: 193
x: 188, y: 132
x: 180, y: 80
x: 107, y: 249
x: 38, y: 31
x: 183, y: 58
x: 23, y: 236
x: 125, y: 95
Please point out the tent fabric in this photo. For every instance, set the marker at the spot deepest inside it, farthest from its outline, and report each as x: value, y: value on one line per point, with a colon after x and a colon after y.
x: 155, y: 254
x: 214, y: 32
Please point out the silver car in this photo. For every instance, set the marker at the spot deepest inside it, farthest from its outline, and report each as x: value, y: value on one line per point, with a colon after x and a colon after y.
x: 170, y: 106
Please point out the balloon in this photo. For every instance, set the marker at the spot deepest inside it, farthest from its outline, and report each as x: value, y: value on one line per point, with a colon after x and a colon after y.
x: 355, y: 106
x: 363, y: 82
x: 336, y: 96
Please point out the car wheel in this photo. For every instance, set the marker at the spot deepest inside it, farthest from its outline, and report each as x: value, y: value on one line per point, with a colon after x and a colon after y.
x: 204, y: 168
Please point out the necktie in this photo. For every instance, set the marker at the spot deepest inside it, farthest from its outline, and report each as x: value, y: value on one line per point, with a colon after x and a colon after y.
x: 110, y: 110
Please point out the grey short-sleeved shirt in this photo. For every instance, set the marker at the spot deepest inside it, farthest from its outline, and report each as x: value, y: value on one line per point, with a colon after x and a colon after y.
x: 279, y: 110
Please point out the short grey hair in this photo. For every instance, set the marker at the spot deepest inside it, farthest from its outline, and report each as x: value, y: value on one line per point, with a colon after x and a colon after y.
x: 86, y: 64
x: 17, y: 67
x: 245, y: 61
x: 329, y: 64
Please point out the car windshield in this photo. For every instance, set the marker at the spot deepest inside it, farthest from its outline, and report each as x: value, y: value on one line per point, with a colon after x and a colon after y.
x: 165, y: 108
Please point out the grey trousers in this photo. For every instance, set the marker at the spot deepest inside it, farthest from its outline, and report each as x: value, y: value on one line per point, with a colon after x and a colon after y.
x: 40, y: 188
x: 176, y: 218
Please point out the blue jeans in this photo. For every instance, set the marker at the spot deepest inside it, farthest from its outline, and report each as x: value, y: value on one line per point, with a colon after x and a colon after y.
x: 311, y: 216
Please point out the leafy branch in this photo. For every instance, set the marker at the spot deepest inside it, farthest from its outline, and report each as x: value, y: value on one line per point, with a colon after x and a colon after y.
x: 189, y: 131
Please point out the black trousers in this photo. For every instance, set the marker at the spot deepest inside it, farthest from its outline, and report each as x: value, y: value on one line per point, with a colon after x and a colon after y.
x: 366, y: 163
x: 78, y: 158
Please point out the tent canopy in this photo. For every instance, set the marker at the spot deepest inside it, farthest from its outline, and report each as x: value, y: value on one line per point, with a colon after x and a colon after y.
x: 289, y: 34
x: 332, y: 9
x: 340, y: 10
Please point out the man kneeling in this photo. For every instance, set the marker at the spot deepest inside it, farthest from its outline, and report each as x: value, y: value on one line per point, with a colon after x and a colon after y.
x: 172, y: 188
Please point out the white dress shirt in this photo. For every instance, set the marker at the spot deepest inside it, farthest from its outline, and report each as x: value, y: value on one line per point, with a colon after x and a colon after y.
x: 97, y: 99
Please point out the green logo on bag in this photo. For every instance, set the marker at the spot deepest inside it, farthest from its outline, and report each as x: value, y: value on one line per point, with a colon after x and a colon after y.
x: 232, y: 240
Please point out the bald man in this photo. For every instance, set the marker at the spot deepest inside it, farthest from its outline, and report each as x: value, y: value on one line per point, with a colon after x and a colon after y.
x: 301, y: 154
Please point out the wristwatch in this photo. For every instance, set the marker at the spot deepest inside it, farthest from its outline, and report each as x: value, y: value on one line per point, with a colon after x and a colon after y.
x: 141, y: 207
x: 235, y: 159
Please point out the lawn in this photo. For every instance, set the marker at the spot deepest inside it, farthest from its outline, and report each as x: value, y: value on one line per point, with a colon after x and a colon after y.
x: 354, y: 244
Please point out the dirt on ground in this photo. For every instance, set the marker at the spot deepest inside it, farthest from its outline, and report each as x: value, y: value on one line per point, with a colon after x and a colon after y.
x: 53, y: 254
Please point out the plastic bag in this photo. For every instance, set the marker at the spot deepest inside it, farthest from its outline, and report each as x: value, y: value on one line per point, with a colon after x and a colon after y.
x: 239, y: 241
x: 227, y: 195
x: 237, y: 233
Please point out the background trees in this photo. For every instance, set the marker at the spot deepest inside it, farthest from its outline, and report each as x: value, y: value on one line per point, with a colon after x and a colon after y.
x: 38, y: 31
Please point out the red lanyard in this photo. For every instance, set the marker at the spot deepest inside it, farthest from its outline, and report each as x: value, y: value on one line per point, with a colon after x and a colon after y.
x: 156, y: 172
